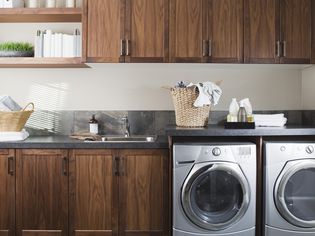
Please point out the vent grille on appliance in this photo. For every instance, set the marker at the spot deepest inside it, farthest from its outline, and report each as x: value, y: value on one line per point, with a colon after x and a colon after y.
x: 243, y: 151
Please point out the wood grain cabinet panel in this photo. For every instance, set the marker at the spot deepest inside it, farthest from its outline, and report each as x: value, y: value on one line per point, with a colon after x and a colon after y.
x: 143, y: 193
x: 296, y: 31
x: 278, y: 31
x: 146, y: 31
x: 188, y: 32
x: 42, y: 192
x: 7, y: 192
x: 261, y: 31
x: 313, y: 32
x: 105, y: 25
x: 226, y: 31
x: 93, y: 193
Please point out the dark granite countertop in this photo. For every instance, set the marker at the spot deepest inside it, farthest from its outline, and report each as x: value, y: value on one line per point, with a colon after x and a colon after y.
x: 61, y: 142
x: 216, y: 131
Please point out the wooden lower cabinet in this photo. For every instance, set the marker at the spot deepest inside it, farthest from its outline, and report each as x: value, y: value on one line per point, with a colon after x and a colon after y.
x: 41, y: 192
x: 7, y: 192
x: 93, y: 193
x: 143, y: 193
x: 119, y: 192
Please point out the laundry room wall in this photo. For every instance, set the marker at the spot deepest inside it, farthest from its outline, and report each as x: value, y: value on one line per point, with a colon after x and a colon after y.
x: 308, y: 88
x: 138, y: 86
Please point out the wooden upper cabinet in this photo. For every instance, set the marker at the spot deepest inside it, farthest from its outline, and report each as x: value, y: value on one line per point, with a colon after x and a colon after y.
x: 188, y: 32
x: 104, y: 22
x: 278, y: 31
x: 226, y: 31
x: 41, y: 192
x: 296, y: 31
x: 93, y: 193
x: 313, y: 32
x: 144, y: 193
x: 261, y: 31
x: 146, y: 33
x: 7, y: 192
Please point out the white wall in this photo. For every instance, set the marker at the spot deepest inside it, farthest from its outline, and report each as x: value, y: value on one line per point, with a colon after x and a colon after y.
x: 308, y: 88
x: 138, y: 86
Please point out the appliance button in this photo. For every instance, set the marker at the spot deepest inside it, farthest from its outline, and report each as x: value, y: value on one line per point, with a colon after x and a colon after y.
x: 282, y: 148
x: 216, y: 151
x: 309, y: 149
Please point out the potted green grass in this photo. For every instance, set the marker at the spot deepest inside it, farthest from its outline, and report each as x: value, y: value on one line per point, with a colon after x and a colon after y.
x: 16, y: 49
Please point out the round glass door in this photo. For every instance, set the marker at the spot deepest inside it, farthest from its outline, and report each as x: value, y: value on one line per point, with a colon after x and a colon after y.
x: 295, y: 193
x: 215, y: 196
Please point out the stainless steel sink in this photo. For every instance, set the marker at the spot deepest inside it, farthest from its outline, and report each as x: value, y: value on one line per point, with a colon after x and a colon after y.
x: 131, y: 139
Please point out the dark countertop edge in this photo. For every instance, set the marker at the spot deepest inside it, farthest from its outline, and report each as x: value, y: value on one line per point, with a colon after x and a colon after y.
x: 219, y: 131
x: 64, y: 142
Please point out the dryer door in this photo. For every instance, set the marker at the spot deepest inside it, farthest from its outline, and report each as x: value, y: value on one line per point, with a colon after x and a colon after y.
x: 294, y: 193
x: 215, y: 195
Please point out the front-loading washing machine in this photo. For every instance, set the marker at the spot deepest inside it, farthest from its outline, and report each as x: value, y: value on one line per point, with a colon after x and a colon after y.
x: 214, y: 189
x: 289, y: 189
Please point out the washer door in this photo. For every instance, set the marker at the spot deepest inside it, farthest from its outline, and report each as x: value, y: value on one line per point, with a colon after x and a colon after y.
x: 294, y: 193
x: 215, y: 196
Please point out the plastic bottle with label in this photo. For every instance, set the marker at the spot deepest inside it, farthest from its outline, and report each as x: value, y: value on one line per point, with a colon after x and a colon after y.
x: 233, y: 111
x: 242, y: 114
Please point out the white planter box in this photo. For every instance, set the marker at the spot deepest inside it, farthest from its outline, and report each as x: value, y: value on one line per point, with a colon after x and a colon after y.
x: 12, y: 3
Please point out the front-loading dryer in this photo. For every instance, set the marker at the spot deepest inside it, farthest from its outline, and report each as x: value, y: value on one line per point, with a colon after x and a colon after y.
x: 214, y: 189
x: 289, y: 189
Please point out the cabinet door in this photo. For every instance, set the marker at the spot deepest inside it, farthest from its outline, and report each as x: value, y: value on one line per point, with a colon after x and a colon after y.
x: 7, y: 192
x: 104, y: 22
x: 296, y: 31
x: 313, y: 32
x: 146, y: 31
x: 188, y: 31
x: 226, y: 31
x: 262, y: 37
x: 93, y: 193
x: 143, y: 193
x: 41, y: 192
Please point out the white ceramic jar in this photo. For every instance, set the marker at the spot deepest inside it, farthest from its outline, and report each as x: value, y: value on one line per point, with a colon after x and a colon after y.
x: 32, y: 3
x: 50, y: 4
x: 70, y: 3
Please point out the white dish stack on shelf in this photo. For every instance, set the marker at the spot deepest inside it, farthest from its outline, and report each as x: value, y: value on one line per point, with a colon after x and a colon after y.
x: 51, y: 44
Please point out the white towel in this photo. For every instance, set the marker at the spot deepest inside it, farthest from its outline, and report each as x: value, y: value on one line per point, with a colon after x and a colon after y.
x: 272, y: 120
x: 209, y: 94
x: 13, y: 136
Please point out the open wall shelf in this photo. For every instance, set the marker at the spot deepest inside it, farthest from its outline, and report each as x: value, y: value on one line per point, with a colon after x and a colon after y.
x: 24, y: 15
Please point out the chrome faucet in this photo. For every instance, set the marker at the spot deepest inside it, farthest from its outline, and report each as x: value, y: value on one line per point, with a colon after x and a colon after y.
x: 127, y: 126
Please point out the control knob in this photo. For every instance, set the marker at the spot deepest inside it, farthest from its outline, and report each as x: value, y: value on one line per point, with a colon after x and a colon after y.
x: 216, y: 151
x: 309, y: 149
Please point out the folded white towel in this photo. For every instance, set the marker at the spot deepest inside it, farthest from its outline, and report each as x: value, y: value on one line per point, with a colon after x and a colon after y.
x: 13, y: 136
x: 270, y: 120
x: 7, y: 103
x: 209, y: 94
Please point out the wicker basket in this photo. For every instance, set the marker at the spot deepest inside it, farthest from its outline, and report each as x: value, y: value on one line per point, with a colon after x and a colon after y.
x: 14, y: 121
x: 186, y: 114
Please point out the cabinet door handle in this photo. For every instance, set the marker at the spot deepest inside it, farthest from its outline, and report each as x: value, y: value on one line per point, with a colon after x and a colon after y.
x: 127, y: 47
x: 278, y: 49
x: 210, y: 48
x: 284, y: 48
x: 122, y: 47
x: 10, y: 165
x: 204, y: 48
x: 116, y: 166
x: 65, y: 166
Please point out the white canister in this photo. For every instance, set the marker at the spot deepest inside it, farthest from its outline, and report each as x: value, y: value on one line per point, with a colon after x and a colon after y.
x: 70, y: 3
x: 50, y: 4
x: 32, y: 3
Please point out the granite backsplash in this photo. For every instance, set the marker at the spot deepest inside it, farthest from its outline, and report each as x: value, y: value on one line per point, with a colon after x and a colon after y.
x: 141, y: 122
